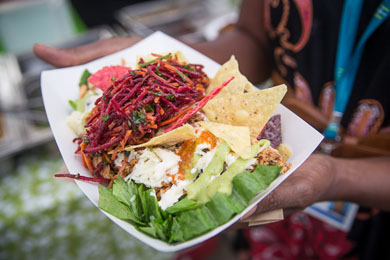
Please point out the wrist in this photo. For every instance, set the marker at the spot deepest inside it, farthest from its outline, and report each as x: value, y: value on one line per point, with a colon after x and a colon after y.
x: 340, y: 185
x: 327, y: 166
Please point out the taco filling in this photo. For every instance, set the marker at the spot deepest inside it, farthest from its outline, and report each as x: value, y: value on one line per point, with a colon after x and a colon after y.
x: 168, y: 141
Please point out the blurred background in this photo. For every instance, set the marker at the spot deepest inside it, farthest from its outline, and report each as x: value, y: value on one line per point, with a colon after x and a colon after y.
x: 44, y: 218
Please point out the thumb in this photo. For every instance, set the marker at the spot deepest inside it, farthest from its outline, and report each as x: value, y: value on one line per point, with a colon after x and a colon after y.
x: 280, y: 198
x: 82, y: 54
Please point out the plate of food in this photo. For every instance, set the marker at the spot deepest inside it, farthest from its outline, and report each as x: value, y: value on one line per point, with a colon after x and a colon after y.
x: 171, y: 146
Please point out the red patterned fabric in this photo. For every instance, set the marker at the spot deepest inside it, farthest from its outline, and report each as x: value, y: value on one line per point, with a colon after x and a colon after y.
x: 298, y: 237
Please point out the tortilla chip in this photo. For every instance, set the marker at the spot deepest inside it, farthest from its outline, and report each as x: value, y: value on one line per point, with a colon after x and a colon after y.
x: 175, y: 136
x: 180, y: 57
x: 237, y: 86
x: 250, y: 109
x: 237, y: 137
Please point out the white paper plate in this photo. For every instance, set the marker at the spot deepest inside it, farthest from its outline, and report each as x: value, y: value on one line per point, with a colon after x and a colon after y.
x: 61, y: 85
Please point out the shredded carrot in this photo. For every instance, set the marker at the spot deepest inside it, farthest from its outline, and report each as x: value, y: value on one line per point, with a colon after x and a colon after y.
x: 175, y: 70
x: 173, y: 119
x: 88, y: 162
x: 107, y: 159
x: 83, y: 161
x: 124, y: 141
x: 112, y: 180
x: 110, y: 126
x: 154, y: 126
x: 86, y: 157
x: 150, y: 117
x: 115, y: 153
x: 118, y: 87
x: 83, y: 90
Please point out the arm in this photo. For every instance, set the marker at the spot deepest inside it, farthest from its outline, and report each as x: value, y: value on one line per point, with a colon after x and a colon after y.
x: 247, y: 42
x: 365, y: 181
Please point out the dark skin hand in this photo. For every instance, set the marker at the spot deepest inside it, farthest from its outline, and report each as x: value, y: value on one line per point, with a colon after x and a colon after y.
x: 364, y: 181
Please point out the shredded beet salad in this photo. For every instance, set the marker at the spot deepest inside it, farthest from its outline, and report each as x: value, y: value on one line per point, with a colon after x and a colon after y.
x: 145, y: 100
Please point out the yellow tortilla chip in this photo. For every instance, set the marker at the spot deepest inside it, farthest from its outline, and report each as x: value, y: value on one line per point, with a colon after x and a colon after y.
x: 180, y: 57
x: 237, y: 137
x: 237, y: 86
x: 175, y: 136
x: 250, y: 109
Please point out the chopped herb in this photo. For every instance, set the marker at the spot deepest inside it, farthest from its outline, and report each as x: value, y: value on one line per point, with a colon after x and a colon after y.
x: 105, y: 117
x: 156, y: 93
x: 170, y: 97
x: 129, y: 123
x: 104, y: 161
x: 113, y: 78
x: 104, y: 98
x: 158, y: 72
x: 85, y: 139
x: 181, y: 75
x: 126, y: 153
x: 138, y: 117
x: 84, y: 78
x: 73, y: 104
x: 132, y: 73
x: 149, y: 108
x: 187, y: 67
x: 153, y: 61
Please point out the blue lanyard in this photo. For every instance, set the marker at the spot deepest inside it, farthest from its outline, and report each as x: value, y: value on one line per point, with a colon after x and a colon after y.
x: 348, y: 58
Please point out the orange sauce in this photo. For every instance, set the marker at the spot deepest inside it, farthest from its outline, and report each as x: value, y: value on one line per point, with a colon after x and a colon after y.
x: 207, y: 137
x: 186, y: 152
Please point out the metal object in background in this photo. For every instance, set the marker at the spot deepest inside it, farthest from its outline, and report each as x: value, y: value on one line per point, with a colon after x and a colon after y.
x: 184, y: 19
x: 23, y: 119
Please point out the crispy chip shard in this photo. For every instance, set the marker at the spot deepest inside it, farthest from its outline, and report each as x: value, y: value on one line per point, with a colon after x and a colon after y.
x: 237, y: 86
x: 249, y: 109
x: 175, y: 136
x: 237, y: 137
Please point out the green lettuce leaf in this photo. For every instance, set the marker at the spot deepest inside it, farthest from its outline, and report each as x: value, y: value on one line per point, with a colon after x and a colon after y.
x: 182, y: 205
x: 127, y: 193
x: 153, y: 209
x: 187, y: 218
x: 109, y: 203
x: 176, y: 232
x: 196, y: 222
x: 84, y: 77
x: 220, y: 208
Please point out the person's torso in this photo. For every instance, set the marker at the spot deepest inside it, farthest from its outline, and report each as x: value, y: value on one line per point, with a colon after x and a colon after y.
x: 303, y: 35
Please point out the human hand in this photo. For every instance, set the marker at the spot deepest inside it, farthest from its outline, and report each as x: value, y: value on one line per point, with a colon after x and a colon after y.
x: 312, y: 182
x: 82, y: 54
